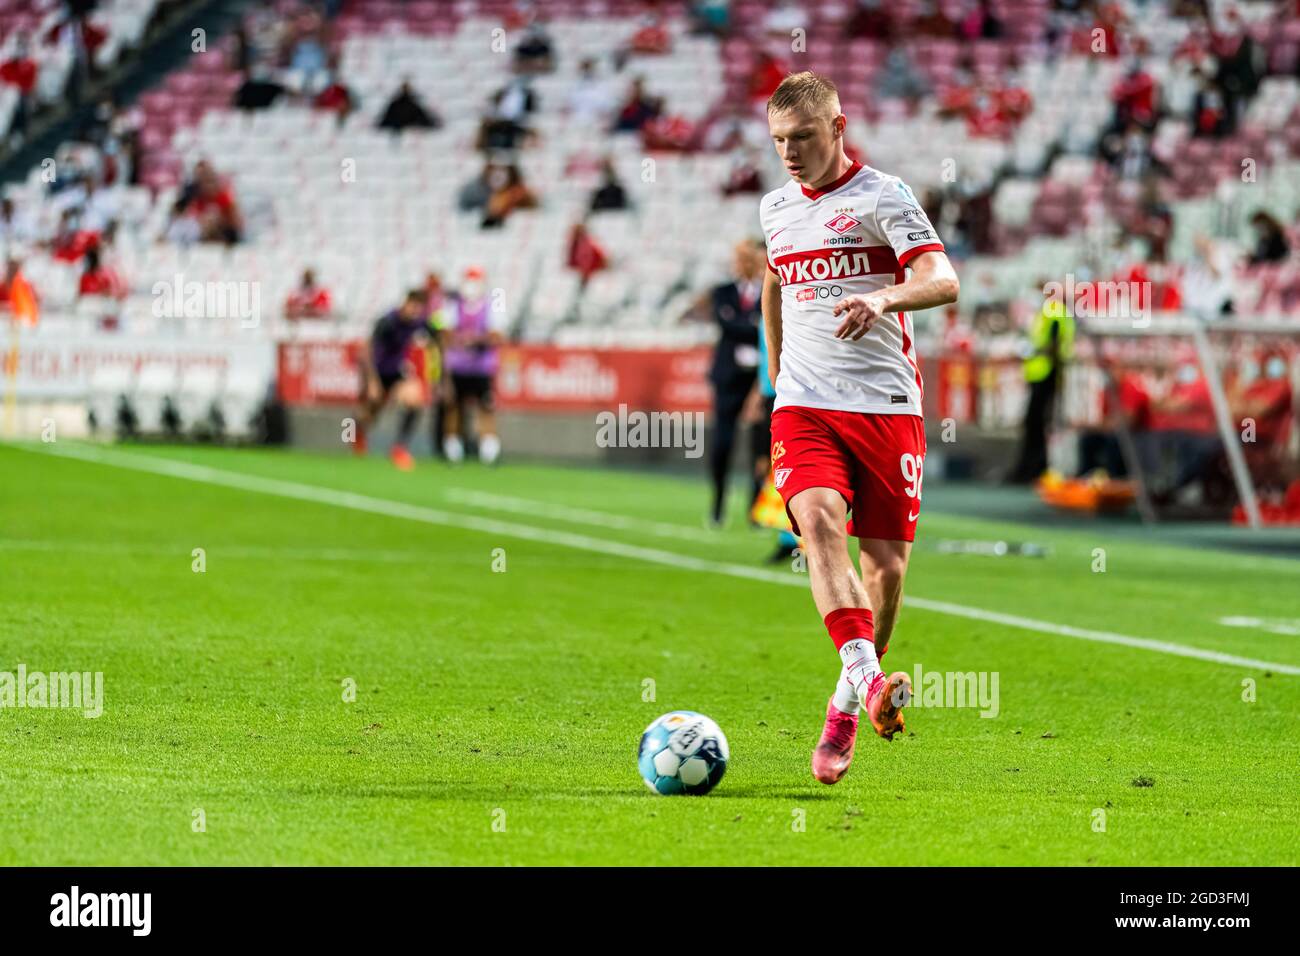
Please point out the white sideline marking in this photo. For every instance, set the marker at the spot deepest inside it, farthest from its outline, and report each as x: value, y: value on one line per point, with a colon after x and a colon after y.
x: 601, y: 519
x: 395, y: 509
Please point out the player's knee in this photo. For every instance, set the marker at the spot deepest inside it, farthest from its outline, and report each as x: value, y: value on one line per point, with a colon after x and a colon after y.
x: 821, y: 525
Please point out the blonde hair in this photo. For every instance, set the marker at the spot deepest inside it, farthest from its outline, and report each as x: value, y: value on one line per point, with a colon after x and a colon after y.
x: 806, y: 92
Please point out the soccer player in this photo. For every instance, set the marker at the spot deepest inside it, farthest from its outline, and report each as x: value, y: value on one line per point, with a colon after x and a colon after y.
x: 850, y: 254
x: 388, y: 371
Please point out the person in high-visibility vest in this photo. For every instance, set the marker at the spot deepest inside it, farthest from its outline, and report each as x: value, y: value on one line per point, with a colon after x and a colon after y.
x: 1051, y: 343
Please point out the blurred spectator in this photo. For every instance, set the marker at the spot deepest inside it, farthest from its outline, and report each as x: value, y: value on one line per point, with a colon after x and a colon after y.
x: 310, y: 300
x: 70, y: 242
x: 1271, y: 243
x: 1050, y: 349
x: 334, y: 96
x: 503, y: 129
x: 610, y: 194
x: 19, y: 71
x: 258, y: 90
x: 932, y: 21
x: 116, y: 131
x: 766, y: 76
x: 533, y: 54
x: 307, y: 53
x: 1135, y: 98
x: 710, y: 16
x: 1129, y: 153
x: 900, y: 79
x: 98, y: 206
x: 508, y: 193
x: 586, y: 256
x: 1125, y: 403
x: 182, y: 228
x: 978, y: 21
x: 1209, y: 110
x: 98, y: 279
x: 589, y: 101
x: 1207, y: 281
x: 651, y: 37
x: 210, y: 201
x: 1262, y: 393
x: 1182, y: 420
x: 870, y: 18
x: 1155, y: 219
x: 1241, y: 64
x: 736, y: 307
x: 405, y: 111
x: 638, y: 109
x: 474, y: 194
x: 516, y: 101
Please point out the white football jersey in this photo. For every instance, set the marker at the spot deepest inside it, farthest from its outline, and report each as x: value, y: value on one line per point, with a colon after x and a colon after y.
x: 853, y: 237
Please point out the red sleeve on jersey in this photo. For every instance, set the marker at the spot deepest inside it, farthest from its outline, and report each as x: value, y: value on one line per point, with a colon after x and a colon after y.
x: 915, y: 251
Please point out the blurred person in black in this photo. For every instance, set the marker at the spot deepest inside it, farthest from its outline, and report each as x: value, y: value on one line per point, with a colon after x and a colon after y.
x: 736, y: 306
x: 387, y: 370
x: 406, y: 110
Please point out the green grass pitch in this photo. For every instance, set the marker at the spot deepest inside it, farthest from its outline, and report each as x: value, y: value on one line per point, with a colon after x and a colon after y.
x: 497, y: 712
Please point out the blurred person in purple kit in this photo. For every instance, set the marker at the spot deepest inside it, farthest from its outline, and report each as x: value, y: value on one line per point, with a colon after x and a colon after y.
x: 473, y: 342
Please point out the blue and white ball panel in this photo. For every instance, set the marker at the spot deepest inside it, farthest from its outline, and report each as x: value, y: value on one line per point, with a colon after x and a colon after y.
x: 682, y: 752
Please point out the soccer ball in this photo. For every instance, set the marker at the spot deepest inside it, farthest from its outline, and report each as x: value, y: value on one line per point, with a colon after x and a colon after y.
x: 683, y: 752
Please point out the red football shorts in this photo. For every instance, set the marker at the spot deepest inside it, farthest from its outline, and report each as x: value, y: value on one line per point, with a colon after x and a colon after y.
x: 873, y: 461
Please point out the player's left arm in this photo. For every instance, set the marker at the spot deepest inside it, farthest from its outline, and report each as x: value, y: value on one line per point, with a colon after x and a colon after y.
x: 932, y: 282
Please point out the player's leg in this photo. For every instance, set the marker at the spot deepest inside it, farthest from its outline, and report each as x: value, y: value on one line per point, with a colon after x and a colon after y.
x: 813, y: 473
x: 409, y: 394
x: 884, y: 566
x: 371, y: 401
x: 841, y: 599
x: 889, y: 455
x: 727, y: 403
x: 452, y: 446
x: 489, y: 444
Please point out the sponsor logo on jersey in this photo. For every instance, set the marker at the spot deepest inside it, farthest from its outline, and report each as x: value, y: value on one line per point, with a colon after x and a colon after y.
x: 842, y: 223
x: 780, y: 475
x: 819, y: 292
x: 845, y: 241
x: 897, y: 399
x: 817, y: 265
x: 778, y: 451
x: 910, y: 213
x: 914, y: 236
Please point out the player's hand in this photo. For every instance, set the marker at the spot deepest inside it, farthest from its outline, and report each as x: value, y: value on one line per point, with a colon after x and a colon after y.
x: 860, y: 313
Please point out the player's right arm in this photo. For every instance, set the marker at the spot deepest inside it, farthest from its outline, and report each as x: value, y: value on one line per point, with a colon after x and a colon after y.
x: 772, y: 322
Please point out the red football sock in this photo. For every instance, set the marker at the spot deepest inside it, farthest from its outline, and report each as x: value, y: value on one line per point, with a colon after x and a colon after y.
x: 846, y: 624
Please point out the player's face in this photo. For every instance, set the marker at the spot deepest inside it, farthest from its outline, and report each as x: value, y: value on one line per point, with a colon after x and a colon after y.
x: 808, y: 145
